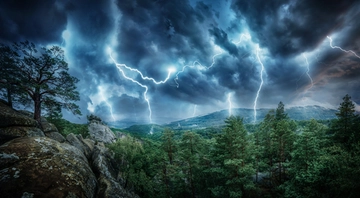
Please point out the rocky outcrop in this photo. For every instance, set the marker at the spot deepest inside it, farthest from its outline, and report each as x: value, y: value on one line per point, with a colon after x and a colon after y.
x: 37, y: 161
x: 106, y: 171
x: 14, y: 124
x: 100, y: 132
x: 84, y: 145
x: 49, y: 129
x: 42, y: 167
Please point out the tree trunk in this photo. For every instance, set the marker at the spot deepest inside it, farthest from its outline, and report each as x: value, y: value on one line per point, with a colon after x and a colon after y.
x: 37, y: 107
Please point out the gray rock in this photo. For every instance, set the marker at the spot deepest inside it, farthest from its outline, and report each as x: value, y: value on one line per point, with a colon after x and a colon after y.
x: 73, y: 140
x: 42, y: 167
x: 48, y: 127
x: 55, y: 136
x: 101, y: 133
x: 26, y: 113
x: 9, y: 117
x: 14, y: 124
x: 9, y: 133
x: 120, y: 135
x: 105, y: 169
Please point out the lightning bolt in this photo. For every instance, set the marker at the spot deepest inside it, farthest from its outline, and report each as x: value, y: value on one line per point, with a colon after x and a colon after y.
x: 262, y: 80
x: 195, y: 63
x: 336, y: 47
x: 120, y: 68
x: 101, y: 91
x: 230, y: 104
x: 307, y: 72
x: 246, y: 35
x: 194, y: 113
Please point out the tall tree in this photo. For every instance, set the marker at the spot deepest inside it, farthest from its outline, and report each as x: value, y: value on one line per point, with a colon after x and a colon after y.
x: 9, y: 73
x: 190, y: 154
x: 346, y: 126
x: 169, y: 167
x: 233, y: 159
x: 45, y: 78
x: 305, y: 168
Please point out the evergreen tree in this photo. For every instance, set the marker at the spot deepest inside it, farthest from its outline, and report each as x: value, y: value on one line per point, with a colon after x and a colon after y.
x: 170, y: 173
x: 233, y: 168
x: 127, y: 152
x: 10, y: 75
x: 190, y: 154
x: 346, y: 127
x: 305, y: 168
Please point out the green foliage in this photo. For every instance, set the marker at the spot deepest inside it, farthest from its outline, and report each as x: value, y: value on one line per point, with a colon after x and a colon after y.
x: 10, y: 75
x: 65, y: 127
x: 279, y: 158
x: 346, y: 128
x: 305, y: 168
x: 129, y: 154
x: 232, y: 156
x: 41, y: 76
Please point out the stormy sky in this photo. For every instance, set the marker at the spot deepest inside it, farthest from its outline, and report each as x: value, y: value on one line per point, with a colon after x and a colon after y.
x: 184, y: 58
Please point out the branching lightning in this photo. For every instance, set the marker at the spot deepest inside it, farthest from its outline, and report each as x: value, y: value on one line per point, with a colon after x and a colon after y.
x: 120, y: 68
x: 262, y: 81
x: 230, y: 104
x: 336, y: 47
x: 195, y: 63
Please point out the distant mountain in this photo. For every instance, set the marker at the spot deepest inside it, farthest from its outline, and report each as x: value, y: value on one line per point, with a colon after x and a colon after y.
x: 217, y: 118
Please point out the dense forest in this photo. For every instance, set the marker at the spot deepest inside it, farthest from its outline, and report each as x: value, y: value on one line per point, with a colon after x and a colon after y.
x: 278, y: 158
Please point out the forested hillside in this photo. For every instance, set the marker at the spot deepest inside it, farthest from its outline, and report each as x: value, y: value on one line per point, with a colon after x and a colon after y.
x: 279, y: 158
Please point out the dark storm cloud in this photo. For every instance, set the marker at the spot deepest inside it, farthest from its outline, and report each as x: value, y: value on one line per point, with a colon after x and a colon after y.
x: 173, y: 26
x: 291, y: 27
x: 39, y: 21
x: 152, y: 36
x: 222, y: 40
x: 92, y: 19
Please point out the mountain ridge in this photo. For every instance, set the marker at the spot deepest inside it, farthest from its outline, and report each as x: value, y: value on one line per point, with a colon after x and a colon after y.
x: 217, y: 118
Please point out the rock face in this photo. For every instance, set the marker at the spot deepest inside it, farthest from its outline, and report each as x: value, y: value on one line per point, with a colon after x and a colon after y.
x: 84, y: 145
x: 105, y: 169
x: 43, y: 167
x: 100, y: 132
x: 37, y: 161
x: 14, y: 124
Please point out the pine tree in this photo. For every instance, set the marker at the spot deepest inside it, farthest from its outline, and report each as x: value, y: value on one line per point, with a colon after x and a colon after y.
x: 346, y: 126
x: 233, y: 161
x: 190, y: 154
x: 10, y: 75
x: 305, y: 168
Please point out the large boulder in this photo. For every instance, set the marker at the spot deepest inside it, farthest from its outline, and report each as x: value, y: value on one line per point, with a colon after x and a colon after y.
x: 14, y: 124
x: 46, y: 126
x: 84, y: 145
x: 42, y: 167
x: 101, y: 133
